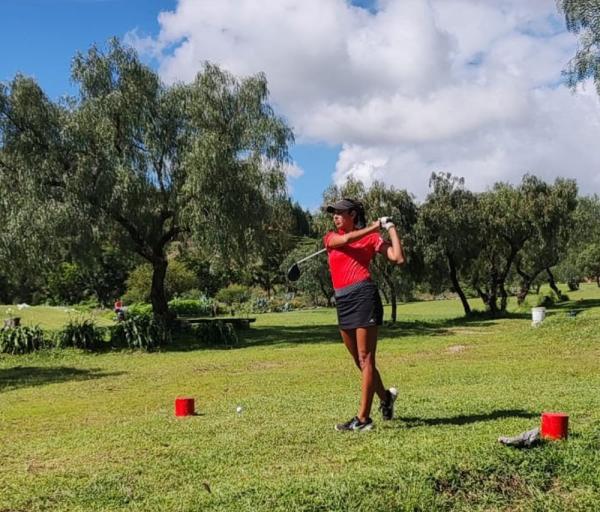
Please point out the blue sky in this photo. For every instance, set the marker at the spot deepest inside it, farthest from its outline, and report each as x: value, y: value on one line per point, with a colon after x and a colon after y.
x: 391, y: 92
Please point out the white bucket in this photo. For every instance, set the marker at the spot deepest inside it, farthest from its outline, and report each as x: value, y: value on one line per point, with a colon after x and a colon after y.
x: 538, y: 315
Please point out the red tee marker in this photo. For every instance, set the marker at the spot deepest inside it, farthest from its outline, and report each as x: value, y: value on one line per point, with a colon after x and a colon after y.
x: 555, y: 425
x: 184, y: 406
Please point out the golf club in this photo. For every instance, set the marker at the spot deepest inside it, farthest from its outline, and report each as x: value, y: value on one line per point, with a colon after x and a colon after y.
x: 293, y: 273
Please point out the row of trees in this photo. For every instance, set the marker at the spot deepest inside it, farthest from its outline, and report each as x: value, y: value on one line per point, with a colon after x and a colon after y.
x: 488, y: 244
x: 131, y: 172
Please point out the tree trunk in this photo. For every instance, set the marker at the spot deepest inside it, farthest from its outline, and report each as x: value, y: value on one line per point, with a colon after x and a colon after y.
x: 158, y: 297
x: 393, y: 297
x: 552, y: 283
x: 503, y: 297
x: 523, y: 292
x: 490, y: 298
x: 526, y: 283
x: 456, y: 286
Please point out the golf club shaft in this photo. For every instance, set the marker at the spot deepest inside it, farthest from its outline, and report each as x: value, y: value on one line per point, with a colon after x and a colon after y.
x: 311, y: 256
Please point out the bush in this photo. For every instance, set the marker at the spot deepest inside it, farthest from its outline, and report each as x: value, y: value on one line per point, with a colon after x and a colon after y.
x: 87, y: 305
x: 216, y: 333
x: 545, y: 300
x: 233, y: 294
x: 561, y: 297
x: 191, y: 307
x: 82, y: 333
x: 139, y: 309
x: 21, y: 340
x: 140, y: 332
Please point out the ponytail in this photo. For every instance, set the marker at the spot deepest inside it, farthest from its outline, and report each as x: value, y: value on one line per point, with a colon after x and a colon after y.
x: 360, y: 220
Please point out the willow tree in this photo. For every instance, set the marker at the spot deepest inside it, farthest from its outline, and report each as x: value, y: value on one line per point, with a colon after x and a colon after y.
x: 148, y: 161
x: 449, y: 232
x: 583, y: 18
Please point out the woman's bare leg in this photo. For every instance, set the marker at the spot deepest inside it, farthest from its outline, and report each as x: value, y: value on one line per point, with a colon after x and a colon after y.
x: 362, y: 344
x: 366, y: 342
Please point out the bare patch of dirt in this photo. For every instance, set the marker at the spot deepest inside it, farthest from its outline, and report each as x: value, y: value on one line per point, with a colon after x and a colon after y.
x: 455, y: 349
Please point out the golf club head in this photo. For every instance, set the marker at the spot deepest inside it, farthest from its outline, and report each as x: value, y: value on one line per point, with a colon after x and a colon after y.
x: 294, y: 272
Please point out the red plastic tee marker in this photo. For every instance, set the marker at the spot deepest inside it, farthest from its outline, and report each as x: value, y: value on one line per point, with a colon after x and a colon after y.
x: 555, y: 425
x: 184, y: 406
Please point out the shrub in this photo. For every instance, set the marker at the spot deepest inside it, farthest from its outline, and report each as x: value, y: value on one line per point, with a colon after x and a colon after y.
x: 233, y: 294
x: 21, y: 340
x: 545, y: 300
x: 80, y: 333
x: 140, y: 332
x: 139, y: 309
x: 191, y: 307
x: 561, y: 297
x: 216, y: 333
x: 87, y: 305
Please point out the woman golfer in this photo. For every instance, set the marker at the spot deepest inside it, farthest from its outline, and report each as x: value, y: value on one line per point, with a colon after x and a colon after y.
x: 350, y: 249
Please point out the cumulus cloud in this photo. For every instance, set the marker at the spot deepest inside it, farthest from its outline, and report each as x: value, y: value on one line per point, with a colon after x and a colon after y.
x: 292, y: 170
x: 415, y: 86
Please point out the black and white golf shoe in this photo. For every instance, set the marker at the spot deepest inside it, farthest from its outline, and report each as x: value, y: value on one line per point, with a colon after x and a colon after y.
x: 387, y: 407
x: 355, y: 425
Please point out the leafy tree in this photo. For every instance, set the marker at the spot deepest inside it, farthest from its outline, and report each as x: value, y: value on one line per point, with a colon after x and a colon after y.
x: 525, y: 226
x: 585, y: 230
x: 583, y: 18
x: 106, y: 273
x: 315, y: 280
x: 178, y: 280
x: 282, y: 229
x: 398, y: 282
x: 66, y: 284
x: 507, y: 215
x: 449, y: 231
x: 589, y: 261
x: 150, y: 162
x: 551, y: 213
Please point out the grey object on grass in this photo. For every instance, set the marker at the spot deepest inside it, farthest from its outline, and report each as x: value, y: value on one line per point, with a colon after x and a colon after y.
x: 524, y: 440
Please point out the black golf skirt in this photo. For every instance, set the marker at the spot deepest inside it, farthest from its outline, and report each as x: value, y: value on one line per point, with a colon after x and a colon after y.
x: 359, y: 305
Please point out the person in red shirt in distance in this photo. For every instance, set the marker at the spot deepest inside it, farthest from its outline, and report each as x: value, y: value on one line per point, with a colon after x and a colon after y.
x: 350, y: 249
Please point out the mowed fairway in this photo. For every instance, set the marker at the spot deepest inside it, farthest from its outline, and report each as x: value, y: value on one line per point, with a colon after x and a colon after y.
x: 86, y: 432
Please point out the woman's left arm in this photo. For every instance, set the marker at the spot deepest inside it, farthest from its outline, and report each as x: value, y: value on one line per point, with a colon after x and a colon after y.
x: 394, y: 250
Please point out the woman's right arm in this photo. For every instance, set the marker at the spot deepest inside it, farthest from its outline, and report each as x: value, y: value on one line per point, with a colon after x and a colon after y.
x: 336, y: 240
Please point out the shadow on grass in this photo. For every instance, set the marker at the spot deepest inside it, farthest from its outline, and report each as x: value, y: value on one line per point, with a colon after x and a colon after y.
x: 464, y: 419
x: 575, y: 306
x: 26, y: 376
x: 329, y: 333
x: 273, y: 335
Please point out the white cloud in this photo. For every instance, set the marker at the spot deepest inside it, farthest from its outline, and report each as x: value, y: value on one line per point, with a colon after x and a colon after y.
x: 292, y: 170
x: 467, y: 86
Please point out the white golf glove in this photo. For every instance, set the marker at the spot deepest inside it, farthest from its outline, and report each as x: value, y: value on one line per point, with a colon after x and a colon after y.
x: 386, y: 222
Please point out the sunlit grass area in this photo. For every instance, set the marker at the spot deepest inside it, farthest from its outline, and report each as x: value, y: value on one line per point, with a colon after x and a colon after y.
x: 81, y: 431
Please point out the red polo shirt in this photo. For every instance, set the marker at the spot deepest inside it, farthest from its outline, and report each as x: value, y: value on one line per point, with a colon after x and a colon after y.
x: 349, y: 264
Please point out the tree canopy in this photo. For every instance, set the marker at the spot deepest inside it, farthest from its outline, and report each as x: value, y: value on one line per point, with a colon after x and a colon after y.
x: 146, y: 162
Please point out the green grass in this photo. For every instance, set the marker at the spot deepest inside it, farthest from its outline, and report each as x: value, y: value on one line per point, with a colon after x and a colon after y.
x: 52, y: 317
x: 91, y: 432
